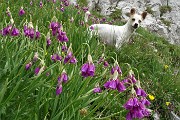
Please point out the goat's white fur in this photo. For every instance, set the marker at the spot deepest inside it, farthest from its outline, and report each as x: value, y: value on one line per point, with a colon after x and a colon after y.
x: 118, y: 35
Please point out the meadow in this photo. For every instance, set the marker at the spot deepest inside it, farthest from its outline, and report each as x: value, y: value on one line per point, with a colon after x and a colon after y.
x: 51, y: 69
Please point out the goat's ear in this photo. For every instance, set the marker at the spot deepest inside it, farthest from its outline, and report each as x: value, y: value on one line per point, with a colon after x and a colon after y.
x: 133, y: 11
x: 144, y: 14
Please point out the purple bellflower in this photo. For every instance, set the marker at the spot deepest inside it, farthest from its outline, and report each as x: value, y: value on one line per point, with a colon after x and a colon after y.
x: 88, y: 69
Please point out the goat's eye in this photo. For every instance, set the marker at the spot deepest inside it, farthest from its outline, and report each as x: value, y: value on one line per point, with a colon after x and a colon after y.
x: 133, y: 19
x: 139, y: 21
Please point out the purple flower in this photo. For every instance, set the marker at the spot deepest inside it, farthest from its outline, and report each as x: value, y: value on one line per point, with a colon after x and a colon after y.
x: 144, y: 101
x: 31, y: 33
x: 36, y: 71
x: 48, y: 73
x: 120, y: 86
x: 136, y: 109
x: 70, y: 58
x: 129, y: 116
x: 141, y: 92
x: 85, y: 9
x: 41, y: 4
x: 38, y: 34
x: 26, y: 30
x: 106, y: 64
x: 97, y: 90
x: 129, y: 104
x: 35, y: 58
x: 88, y: 69
x: 63, y: 77
x: 101, y: 59
x: 31, y: 3
x: 116, y: 68
x: 59, y: 89
x: 28, y: 65
x: 56, y: 57
x: 15, y: 32
x: 111, y: 84
x: 91, y: 28
x: 62, y: 9
x: 64, y: 48
x: 130, y: 79
x: 6, y: 30
x: 62, y: 36
x: 21, y: 11
x: 54, y: 1
x: 66, y: 3
x: 54, y: 26
x: 48, y: 42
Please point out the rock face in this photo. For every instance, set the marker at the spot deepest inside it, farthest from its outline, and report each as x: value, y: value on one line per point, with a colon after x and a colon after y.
x: 153, y: 22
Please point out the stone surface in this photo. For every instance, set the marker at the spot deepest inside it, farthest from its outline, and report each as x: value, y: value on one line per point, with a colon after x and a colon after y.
x: 152, y: 22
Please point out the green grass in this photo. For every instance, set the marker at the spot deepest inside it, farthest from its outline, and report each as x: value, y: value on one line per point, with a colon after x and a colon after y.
x: 165, y: 9
x: 26, y: 96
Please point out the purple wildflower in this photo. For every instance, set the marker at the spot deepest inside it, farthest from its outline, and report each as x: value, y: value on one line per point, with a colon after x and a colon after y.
x: 6, y: 30
x: 141, y: 92
x: 54, y: 26
x: 70, y: 58
x: 48, y: 74
x: 106, y: 64
x: 41, y: 4
x: 35, y: 58
x: 59, y: 89
x: 63, y: 77
x: 111, y: 84
x: 48, y: 42
x: 136, y: 109
x: 38, y: 34
x: 116, y: 68
x: 21, y: 12
x: 85, y: 9
x: 62, y: 9
x: 56, y: 57
x: 62, y: 36
x: 97, y: 90
x: 115, y: 83
x: 31, y: 33
x: 120, y: 86
x: 144, y: 101
x: 27, y: 67
x: 88, y: 69
x: 64, y: 48
x: 14, y: 32
x: 36, y: 71
x: 26, y: 30
x: 31, y: 3
x: 91, y: 28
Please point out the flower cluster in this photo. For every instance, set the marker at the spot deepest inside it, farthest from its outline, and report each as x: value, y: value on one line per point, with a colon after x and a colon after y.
x: 30, y: 32
x: 56, y: 57
x: 10, y: 30
x: 115, y: 83
x: 63, y: 78
x: 102, y: 60
x: 137, y: 108
x: 136, y: 105
x: 38, y: 70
